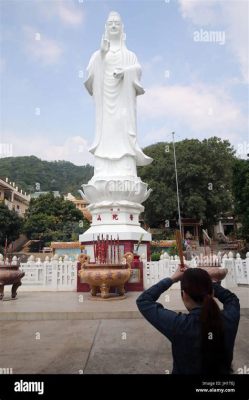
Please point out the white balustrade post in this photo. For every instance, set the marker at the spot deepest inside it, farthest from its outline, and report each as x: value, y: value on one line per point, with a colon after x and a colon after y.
x: 54, y: 262
x: 230, y: 280
x: 246, y: 268
x: 146, y: 274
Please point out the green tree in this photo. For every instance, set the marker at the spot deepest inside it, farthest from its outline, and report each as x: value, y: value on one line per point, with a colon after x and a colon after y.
x: 50, y: 218
x: 204, y: 175
x: 10, y: 225
x: 241, y: 194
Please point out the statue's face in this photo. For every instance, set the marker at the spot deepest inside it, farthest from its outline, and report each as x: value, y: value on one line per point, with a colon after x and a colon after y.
x: 114, y: 25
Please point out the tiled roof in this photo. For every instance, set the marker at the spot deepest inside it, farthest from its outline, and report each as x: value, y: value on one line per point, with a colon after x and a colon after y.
x: 65, y: 245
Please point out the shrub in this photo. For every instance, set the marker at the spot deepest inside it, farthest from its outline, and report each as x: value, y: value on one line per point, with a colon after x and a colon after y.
x: 155, y: 256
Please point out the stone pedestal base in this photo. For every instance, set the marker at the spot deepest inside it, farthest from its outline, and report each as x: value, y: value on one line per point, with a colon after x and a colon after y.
x: 115, y: 203
x: 123, y: 232
x: 115, y: 196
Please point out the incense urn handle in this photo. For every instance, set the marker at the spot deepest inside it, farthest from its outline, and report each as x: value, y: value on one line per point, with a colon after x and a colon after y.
x: 216, y: 273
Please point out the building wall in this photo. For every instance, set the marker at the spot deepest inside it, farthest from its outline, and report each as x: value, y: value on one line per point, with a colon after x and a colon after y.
x: 13, y: 199
x: 20, y: 207
x: 1, y: 194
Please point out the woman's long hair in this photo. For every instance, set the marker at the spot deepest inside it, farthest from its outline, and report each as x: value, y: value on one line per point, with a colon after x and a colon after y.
x: 197, y: 283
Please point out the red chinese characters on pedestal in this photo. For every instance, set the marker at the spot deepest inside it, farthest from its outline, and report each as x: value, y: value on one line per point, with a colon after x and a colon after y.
x: 115, y: 217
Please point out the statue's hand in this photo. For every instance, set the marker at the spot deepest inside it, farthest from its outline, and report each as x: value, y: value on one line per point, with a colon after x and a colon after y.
x: 105, y: 45
x: 118, y: 73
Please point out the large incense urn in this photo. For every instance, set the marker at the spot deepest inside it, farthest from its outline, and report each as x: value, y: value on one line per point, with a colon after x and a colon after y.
x: 102, y: 277
x: 216, y: 273
x: 10, y: 275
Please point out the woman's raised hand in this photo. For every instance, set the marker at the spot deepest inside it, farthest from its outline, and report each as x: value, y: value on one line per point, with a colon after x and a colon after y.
x: 177, y: 276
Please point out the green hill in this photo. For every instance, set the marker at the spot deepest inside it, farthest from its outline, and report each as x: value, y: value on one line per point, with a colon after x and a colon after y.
x: 63, y: 176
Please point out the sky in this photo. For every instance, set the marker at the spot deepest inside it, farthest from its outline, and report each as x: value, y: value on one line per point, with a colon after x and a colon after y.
x: 194, y: 58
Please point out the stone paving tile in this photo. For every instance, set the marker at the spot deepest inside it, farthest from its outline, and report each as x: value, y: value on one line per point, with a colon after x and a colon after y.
x: 89, y: 336
x: 115, y: 346
x: 71, y: 302
x: 63, y: 346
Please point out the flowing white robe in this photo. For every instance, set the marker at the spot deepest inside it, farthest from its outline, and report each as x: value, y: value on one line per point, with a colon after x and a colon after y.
x: 115, y: 101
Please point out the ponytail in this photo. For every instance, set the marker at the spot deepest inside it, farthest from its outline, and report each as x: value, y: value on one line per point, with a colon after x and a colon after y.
x: 213, y: 353
x: 197, y: 283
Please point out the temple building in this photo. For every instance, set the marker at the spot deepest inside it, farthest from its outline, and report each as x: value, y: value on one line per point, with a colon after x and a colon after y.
x: 13, y: 198
x: 36, y: 195
x: 81, y: 204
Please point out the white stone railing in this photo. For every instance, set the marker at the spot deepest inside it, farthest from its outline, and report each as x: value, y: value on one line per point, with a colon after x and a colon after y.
x: 242, y: 269
x: 238, y: 269
x: 52, y: 274
x: 61, y: 273
x: 154, y: 271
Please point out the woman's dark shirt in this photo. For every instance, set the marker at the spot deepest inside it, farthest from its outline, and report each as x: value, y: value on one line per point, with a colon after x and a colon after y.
x: 183, y: 330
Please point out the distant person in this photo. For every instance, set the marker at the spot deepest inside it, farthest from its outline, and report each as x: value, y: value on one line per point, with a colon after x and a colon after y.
x: 202, y: 340
x: 188, y: 235
x: 188, y: 252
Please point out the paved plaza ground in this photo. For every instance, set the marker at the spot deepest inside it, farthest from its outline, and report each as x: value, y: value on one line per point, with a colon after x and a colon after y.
x: 63, y: 332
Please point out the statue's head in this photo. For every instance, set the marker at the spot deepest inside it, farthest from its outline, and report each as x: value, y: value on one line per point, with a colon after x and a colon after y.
x: 114, y: 26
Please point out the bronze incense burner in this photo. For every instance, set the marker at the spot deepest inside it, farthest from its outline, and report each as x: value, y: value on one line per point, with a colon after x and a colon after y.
x: 102, y: 277
x: 10, y: 274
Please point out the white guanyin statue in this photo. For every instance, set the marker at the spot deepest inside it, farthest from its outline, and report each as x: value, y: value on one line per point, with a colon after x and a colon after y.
x: 114, y: 82
x: 115, y: 192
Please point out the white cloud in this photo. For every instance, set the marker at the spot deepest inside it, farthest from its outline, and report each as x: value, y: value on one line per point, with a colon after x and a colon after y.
x: 237, y: 17
x: 69, y: 13
x: 199, y: 109
x: 41, y: 48
x: 74, y: 148
x: 162, y: 134
x: 229, y: 15
x: 148, y: 65
x: 200, y: 12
